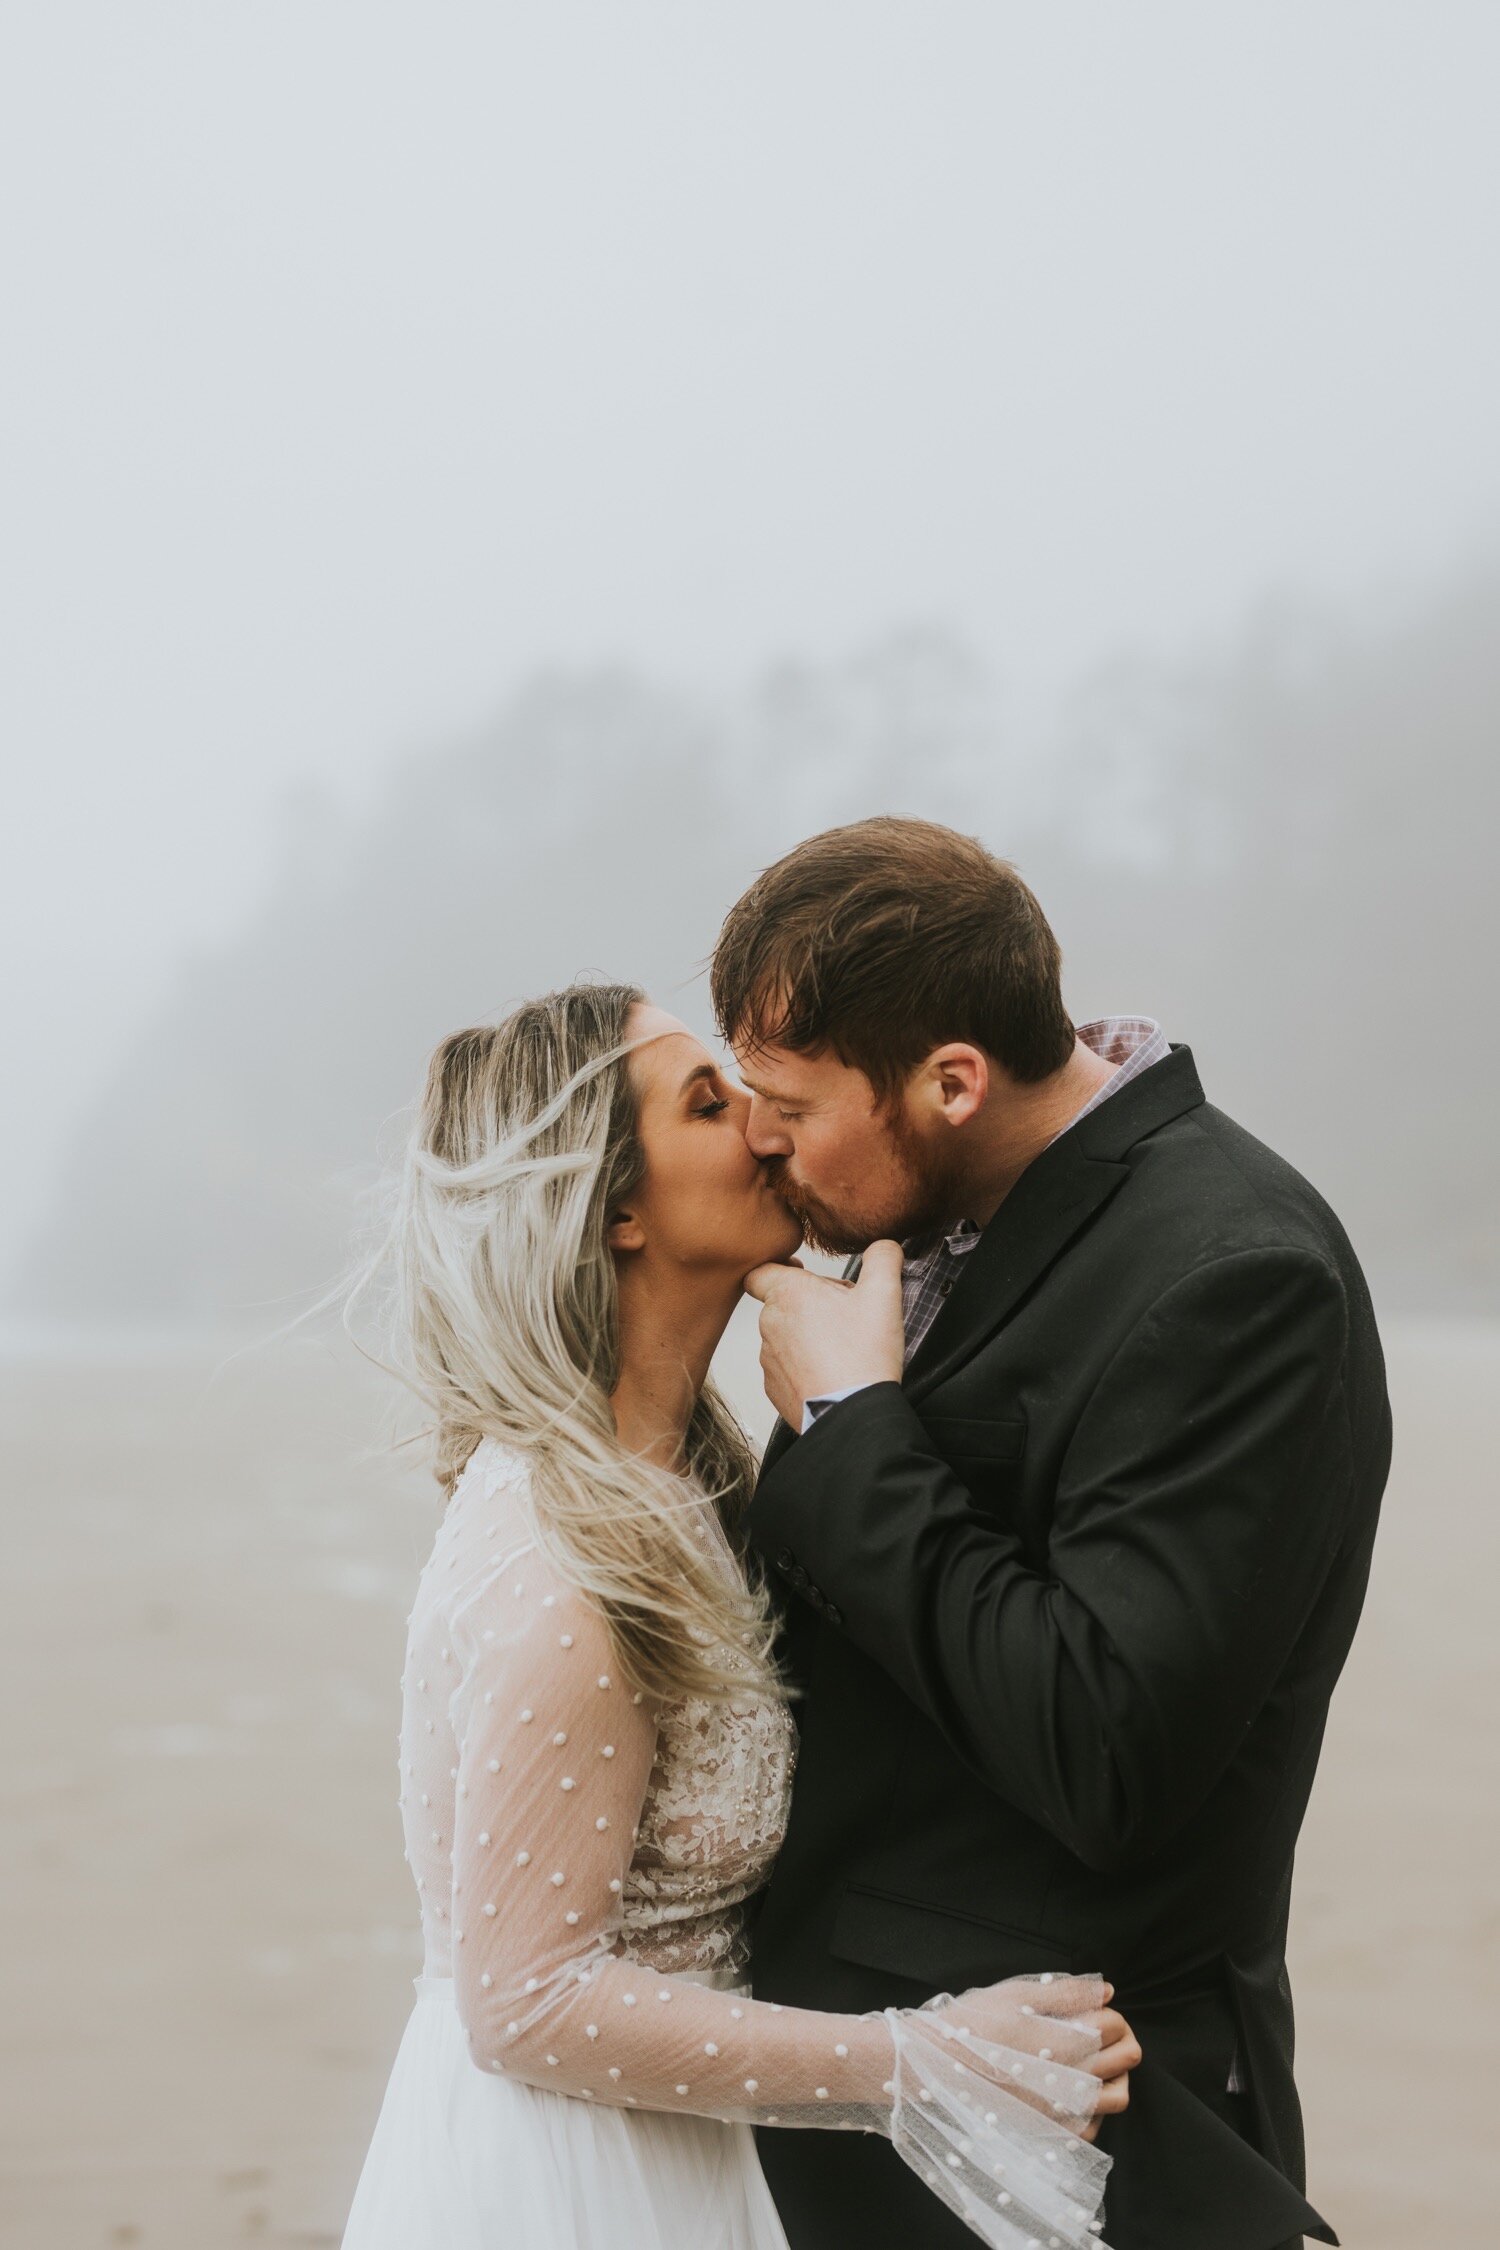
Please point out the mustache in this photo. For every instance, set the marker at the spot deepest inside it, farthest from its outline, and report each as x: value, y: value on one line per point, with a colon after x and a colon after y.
x: 819, y: 1225
x: 780, y: 1182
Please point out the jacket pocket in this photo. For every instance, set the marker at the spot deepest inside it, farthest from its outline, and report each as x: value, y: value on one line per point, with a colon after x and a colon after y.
x: 934, y: 1945
x: 963, y: 1437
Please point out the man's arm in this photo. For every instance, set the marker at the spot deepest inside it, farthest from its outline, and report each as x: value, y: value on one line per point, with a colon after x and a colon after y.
x: 1198, y: 1508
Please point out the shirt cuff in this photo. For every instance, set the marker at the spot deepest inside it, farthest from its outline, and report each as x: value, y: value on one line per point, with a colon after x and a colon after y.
x: 817, y: 1406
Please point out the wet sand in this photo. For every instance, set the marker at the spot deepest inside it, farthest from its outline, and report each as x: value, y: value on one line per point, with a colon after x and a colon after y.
x: 209, y: 1930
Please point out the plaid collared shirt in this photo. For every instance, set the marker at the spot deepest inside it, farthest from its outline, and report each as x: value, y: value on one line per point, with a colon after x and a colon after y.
x: 1133, y: 1044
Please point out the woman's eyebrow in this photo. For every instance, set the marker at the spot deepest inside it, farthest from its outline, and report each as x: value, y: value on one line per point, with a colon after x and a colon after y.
x: 702, y: 1070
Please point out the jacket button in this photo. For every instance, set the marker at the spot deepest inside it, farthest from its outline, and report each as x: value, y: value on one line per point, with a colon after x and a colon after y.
x: 785, y: 1559
x: 834, y: 1614
x: 798, y: 1575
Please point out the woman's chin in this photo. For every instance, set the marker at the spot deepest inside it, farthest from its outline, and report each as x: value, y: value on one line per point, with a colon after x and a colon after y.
x: 773, y: 1235
x: 782, y: 1241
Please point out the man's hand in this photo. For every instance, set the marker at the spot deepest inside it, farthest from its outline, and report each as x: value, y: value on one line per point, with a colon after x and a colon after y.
x: 818, y: 1336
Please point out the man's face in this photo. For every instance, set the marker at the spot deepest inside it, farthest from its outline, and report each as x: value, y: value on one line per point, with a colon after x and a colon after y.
x: 852, y: 1168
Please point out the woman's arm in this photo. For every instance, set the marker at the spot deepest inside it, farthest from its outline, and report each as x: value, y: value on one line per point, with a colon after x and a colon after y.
x: 555, y: 1753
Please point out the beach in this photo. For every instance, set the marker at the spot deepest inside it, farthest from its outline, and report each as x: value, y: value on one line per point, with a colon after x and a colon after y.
x: 210, y: 1929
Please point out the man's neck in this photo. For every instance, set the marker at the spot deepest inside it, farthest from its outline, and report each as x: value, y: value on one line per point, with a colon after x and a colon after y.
x: 1029, y: 1120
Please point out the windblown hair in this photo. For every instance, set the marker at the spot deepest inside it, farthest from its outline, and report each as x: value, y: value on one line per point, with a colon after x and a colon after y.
x: 884, y: 939
x: 508, y: 1327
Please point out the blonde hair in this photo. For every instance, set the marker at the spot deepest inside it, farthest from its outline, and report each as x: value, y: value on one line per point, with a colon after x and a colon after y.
x: 508, y: 1320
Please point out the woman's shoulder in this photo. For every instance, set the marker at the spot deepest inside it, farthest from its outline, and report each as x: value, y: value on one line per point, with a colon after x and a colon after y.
x: 494, y: 1466
x: 501, y: 1576
x: 486, y: 1524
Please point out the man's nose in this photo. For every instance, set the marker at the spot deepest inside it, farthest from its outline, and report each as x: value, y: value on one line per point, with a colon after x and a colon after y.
x: 764, y: 1135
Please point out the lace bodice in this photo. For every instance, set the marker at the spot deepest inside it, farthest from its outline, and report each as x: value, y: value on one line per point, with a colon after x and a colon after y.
x: 710, y: 1826
x: 582, y: 1860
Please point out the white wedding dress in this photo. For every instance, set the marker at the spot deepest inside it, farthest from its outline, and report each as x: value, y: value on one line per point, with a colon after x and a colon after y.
x: 584, y: 2062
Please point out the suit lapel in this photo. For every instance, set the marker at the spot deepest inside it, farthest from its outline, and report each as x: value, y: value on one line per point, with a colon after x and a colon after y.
x: 776, y: 1444
x: 1047, y: 1206
x: 1052, y: 1202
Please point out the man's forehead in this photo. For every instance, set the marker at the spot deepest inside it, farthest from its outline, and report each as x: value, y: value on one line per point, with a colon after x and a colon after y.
x: 778, y: 1071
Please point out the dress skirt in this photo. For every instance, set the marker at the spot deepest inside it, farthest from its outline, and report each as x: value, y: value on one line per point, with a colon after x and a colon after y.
x: 466, y: 2160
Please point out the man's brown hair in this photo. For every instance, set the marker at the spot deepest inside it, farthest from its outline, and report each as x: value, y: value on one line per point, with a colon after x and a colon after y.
x: 884, y: 939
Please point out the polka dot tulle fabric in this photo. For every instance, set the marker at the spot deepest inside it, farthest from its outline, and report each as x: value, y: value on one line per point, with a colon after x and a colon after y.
x: 582, y: 1860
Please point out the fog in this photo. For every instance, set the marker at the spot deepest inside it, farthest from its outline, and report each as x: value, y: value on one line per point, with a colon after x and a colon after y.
x: 1076, y: 423
x: 477, y: 482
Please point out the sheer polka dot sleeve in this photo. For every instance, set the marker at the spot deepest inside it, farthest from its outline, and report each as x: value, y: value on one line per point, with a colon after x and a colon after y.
x: 982, y: 2096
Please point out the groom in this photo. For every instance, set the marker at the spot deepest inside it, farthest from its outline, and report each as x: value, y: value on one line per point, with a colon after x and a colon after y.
x: 1071, y: 1504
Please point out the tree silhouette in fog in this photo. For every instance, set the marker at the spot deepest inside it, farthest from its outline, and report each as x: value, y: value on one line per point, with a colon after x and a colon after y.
x: 1281, y: 849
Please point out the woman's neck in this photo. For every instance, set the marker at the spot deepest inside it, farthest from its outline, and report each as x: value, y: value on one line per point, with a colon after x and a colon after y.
x: 667, y: 1339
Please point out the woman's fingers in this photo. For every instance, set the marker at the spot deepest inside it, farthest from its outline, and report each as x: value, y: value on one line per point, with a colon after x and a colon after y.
x: 1118, y: 2048
x: 1064, y: 2019
x: 1114, y: 2098
x: 1118, y: 2054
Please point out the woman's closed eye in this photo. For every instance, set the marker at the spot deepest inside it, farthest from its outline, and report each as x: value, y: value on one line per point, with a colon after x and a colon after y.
x: 712, y: 1109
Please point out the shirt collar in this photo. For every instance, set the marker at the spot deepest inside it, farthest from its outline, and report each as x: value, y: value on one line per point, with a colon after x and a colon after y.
x: 1133, y: 1044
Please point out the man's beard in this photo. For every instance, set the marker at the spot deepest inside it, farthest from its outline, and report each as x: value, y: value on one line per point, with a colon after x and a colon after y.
x: 927, y: 1200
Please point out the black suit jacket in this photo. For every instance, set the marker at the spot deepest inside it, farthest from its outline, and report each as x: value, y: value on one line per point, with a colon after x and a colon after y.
x: 1066, y: 1607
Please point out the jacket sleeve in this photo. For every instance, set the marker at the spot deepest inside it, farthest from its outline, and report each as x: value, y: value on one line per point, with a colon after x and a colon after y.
x: 555, y: 1753
x: 1198, y: 1507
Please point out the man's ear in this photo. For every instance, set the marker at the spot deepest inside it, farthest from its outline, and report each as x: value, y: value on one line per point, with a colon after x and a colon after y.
x: 625, y: 1232
x: 960, y: 1075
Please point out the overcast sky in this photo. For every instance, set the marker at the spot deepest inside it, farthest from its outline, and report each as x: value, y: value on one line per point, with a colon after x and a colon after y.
x: 360, y: 356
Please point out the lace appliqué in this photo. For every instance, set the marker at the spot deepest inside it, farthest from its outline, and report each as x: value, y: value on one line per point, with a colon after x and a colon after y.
x: 711, y: 1826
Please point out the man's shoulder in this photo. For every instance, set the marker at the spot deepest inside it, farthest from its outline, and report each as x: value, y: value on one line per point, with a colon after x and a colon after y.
x: 1205, y: 1182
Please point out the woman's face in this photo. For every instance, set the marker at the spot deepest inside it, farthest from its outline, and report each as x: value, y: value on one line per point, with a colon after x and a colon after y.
x: 704, y: 1205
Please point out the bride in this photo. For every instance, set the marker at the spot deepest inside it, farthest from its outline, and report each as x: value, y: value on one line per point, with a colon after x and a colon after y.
x: 595, y: 1753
